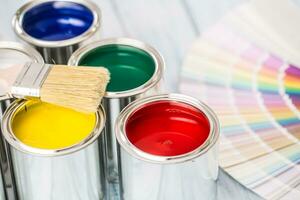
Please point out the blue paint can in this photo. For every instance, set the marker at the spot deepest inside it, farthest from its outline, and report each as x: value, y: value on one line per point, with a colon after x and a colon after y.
x: 57, y: 28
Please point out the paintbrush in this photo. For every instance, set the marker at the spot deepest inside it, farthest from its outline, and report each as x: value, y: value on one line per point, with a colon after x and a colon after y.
x: 79, y: 88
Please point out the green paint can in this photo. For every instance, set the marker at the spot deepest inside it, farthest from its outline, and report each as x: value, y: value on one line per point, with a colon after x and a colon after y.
x: 136, y: 71
x: 129, y: 67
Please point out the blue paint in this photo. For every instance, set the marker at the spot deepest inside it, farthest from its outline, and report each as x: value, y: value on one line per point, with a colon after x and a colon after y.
x: 57, y: 20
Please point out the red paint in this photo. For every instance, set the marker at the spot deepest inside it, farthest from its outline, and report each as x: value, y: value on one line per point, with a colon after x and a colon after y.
x: 167, y: 128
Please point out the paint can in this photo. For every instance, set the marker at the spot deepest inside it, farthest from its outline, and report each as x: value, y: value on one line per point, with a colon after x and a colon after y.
x: 57, y: 28
x: 55, y: 151
x: 136, y: 70
x: 3, y: 195
x: 12, y: 53
x: 168, y: 149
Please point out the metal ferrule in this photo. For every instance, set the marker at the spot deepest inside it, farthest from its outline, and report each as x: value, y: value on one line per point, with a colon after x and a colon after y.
x: 114, y: 102
x: 30, y: 80
x: 188, y: 176
x: 69, y: 173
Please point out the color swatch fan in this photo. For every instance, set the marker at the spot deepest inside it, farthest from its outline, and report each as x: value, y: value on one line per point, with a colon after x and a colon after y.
x: 241, y: 67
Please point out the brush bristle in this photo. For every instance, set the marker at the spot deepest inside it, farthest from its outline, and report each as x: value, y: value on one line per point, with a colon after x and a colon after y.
x: 79, y: 88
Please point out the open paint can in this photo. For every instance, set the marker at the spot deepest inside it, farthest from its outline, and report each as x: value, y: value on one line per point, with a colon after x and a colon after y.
x: 136, y: 70
x: 55, y: 151
x: 11, y: 54
x: 168, y: 149
x: 57, y: 28
x: 2, y: 190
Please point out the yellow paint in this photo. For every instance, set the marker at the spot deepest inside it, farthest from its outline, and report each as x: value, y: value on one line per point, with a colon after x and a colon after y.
x: 47, y: 126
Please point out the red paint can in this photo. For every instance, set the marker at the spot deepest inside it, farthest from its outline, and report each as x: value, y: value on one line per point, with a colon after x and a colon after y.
x: 168, y: 149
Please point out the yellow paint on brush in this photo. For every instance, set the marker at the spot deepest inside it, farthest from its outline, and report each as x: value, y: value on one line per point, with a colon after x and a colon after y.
x: 46, y: 126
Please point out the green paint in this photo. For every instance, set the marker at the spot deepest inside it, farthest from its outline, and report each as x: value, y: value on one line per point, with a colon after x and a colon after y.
x: 129, y: 67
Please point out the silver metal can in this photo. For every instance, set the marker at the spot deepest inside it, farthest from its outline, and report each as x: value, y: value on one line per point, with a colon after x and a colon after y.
x: 12, y: 53
x: 168, y: 149
x: 56, y: 28
x: 136, y: 70
x: 2, y: 190
x: 71, y: 172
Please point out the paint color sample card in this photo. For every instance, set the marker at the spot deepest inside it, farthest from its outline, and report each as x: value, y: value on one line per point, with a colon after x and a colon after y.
x: 247, y: 78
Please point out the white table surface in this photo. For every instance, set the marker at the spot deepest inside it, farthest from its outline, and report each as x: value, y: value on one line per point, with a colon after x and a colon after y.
x: 170, y: 26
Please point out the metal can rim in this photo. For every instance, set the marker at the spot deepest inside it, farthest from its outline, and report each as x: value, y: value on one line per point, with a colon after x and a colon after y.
x: 22, y: 48
x: 19, y: 15
x: 156, y: 56
x: 20, y: 146
x: 141, y: 155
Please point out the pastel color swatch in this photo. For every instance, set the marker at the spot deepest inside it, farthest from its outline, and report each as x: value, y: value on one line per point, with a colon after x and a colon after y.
x: 256, y: 96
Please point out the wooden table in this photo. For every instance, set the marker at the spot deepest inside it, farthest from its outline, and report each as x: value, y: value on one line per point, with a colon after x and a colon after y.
x: 170, y: 26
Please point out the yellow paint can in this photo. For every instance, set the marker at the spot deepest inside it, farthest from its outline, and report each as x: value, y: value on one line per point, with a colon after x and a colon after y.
x: 47, y: 126
x: 57, y: 149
